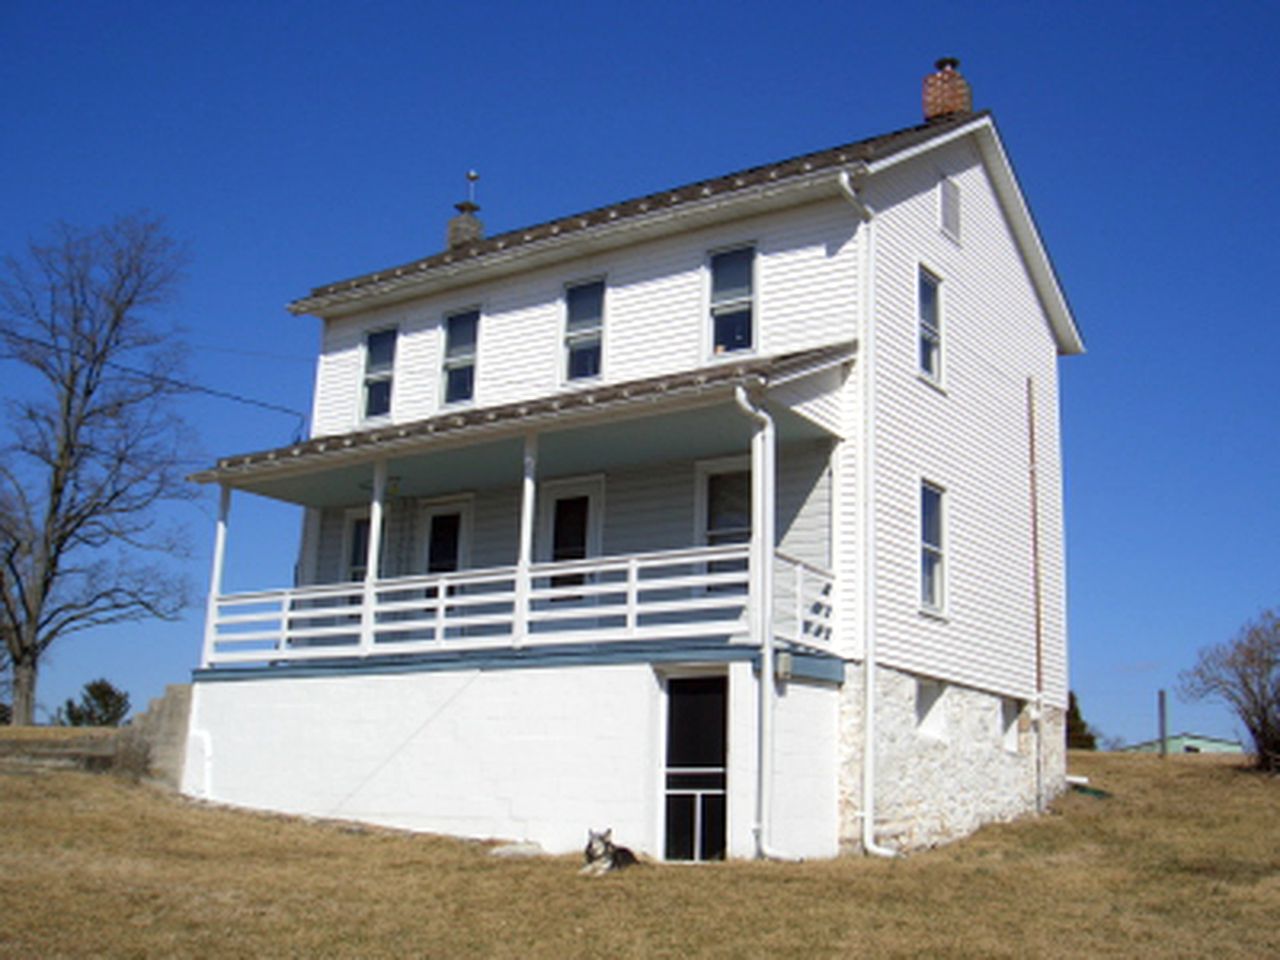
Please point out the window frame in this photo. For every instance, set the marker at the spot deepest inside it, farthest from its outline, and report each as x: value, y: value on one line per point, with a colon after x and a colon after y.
x: 929, y: 331
x: 937, y: 603
x: 449, y: 364
x: 570, y: 339
x: 371, y: 377
x: 751, y: 301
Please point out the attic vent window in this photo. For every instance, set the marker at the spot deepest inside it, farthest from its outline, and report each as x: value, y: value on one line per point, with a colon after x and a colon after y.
x: 949, y: 207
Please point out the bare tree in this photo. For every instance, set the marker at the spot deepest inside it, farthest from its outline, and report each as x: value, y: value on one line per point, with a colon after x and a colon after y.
x: 1245, y: 673
x: 93, y: 440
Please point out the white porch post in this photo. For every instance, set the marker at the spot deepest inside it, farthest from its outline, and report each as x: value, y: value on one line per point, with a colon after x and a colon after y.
x: 524, y: 561
x: 372, y: 556
x: 215, y: 575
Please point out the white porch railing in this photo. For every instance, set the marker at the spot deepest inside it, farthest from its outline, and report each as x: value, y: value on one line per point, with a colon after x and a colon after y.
x: 803, y: 602
x: 695, y: 593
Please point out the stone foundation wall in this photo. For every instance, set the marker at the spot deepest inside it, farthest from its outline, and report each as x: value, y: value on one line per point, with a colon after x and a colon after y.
x: 948, y: 759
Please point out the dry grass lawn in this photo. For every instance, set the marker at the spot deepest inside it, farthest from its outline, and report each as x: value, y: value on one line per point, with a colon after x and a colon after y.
x: 1182, y: 861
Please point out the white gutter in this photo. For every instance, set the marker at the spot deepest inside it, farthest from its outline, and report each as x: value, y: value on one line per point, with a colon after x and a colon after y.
x: 851, y: 185
x: 852, y: 192
x: 763, y: 521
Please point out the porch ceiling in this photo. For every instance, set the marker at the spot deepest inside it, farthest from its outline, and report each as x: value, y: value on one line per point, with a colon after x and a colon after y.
x: 714, y: 429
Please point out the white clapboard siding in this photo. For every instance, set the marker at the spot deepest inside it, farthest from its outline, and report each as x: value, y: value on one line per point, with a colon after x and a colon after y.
x: 656, y: 316
x: 804, y: 502
x: 817, y: 397
x: 809, y: 278
x: 647, y: 509
x: 971, y: 439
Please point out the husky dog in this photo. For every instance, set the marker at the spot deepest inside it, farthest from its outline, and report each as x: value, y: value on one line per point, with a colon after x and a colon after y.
x: 603, y: 855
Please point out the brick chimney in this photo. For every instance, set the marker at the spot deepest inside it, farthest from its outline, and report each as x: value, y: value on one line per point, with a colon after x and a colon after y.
x: 946, y: 91
x: 466, y: 227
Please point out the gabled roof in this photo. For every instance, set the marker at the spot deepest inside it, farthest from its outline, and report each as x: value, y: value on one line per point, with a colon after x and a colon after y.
x: 619, y: 223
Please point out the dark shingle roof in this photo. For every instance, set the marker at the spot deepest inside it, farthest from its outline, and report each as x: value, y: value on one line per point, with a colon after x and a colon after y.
x: 868, y: 151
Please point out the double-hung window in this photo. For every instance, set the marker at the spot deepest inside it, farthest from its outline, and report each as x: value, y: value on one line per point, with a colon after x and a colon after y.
x: 583, y: 329
x: 930, y: 325
x: 931, y: 547
x: 461, y: 332
x: 732, y: 299
x: 379, y: 370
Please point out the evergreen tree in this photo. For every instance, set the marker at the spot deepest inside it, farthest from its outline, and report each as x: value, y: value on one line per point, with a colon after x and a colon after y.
x: 1080, y: 736
x: 101, y: 704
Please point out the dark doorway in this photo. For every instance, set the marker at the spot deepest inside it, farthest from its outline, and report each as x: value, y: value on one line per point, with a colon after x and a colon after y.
x: 569, y: 536
x: 696, y: 752
x: 444, y: 540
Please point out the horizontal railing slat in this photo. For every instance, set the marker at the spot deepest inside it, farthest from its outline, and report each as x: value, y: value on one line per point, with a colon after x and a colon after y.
x: 648, y: 596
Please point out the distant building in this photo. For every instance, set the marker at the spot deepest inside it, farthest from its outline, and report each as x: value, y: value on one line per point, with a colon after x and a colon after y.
x: 1188, y: 743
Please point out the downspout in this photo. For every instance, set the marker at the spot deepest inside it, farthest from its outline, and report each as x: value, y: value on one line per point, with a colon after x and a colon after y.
x: 1037, y: 589
x: 851, y: 185
x: 763, y: 517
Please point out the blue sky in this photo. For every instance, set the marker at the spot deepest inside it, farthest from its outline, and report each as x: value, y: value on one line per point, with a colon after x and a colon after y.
x: 291, y: 144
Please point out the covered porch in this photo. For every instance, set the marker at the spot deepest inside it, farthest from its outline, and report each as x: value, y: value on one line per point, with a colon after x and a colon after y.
x: 692, y: 508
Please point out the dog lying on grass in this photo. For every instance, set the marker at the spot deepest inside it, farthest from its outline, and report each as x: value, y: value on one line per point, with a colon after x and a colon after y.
x: 604, y: 856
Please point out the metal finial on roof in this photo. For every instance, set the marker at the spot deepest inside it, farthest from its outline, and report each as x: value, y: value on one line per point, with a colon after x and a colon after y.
x: 472, y: 177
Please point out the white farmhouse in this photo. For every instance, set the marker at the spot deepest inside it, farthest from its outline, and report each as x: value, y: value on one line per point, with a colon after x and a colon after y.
x: 729, y: 517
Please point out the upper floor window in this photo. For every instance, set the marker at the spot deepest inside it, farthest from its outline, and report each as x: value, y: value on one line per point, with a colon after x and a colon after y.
x: 930, y: 325
x: 461, y: 331
x: 949, y: 207
x: 931, y: 550
x: 379, y: 370
x: 583, y: 329
x: 732, y: 299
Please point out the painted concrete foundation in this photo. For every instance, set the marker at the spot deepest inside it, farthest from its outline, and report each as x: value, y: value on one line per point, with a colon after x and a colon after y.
x: 543, y: 754
x: 534, y: 755
x: 948, y: 759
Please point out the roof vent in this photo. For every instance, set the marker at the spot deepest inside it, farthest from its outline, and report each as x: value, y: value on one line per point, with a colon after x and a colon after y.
x: 466, y: 228
x: 946, y: 92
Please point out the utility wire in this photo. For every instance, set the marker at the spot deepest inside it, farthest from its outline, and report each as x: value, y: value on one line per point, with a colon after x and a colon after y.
x: 185, y: 386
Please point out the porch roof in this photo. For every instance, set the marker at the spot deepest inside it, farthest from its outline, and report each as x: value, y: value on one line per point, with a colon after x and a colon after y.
x: 491, y: 433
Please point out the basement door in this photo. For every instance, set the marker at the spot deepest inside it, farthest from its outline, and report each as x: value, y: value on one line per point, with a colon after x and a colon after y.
x: 696, y: 755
